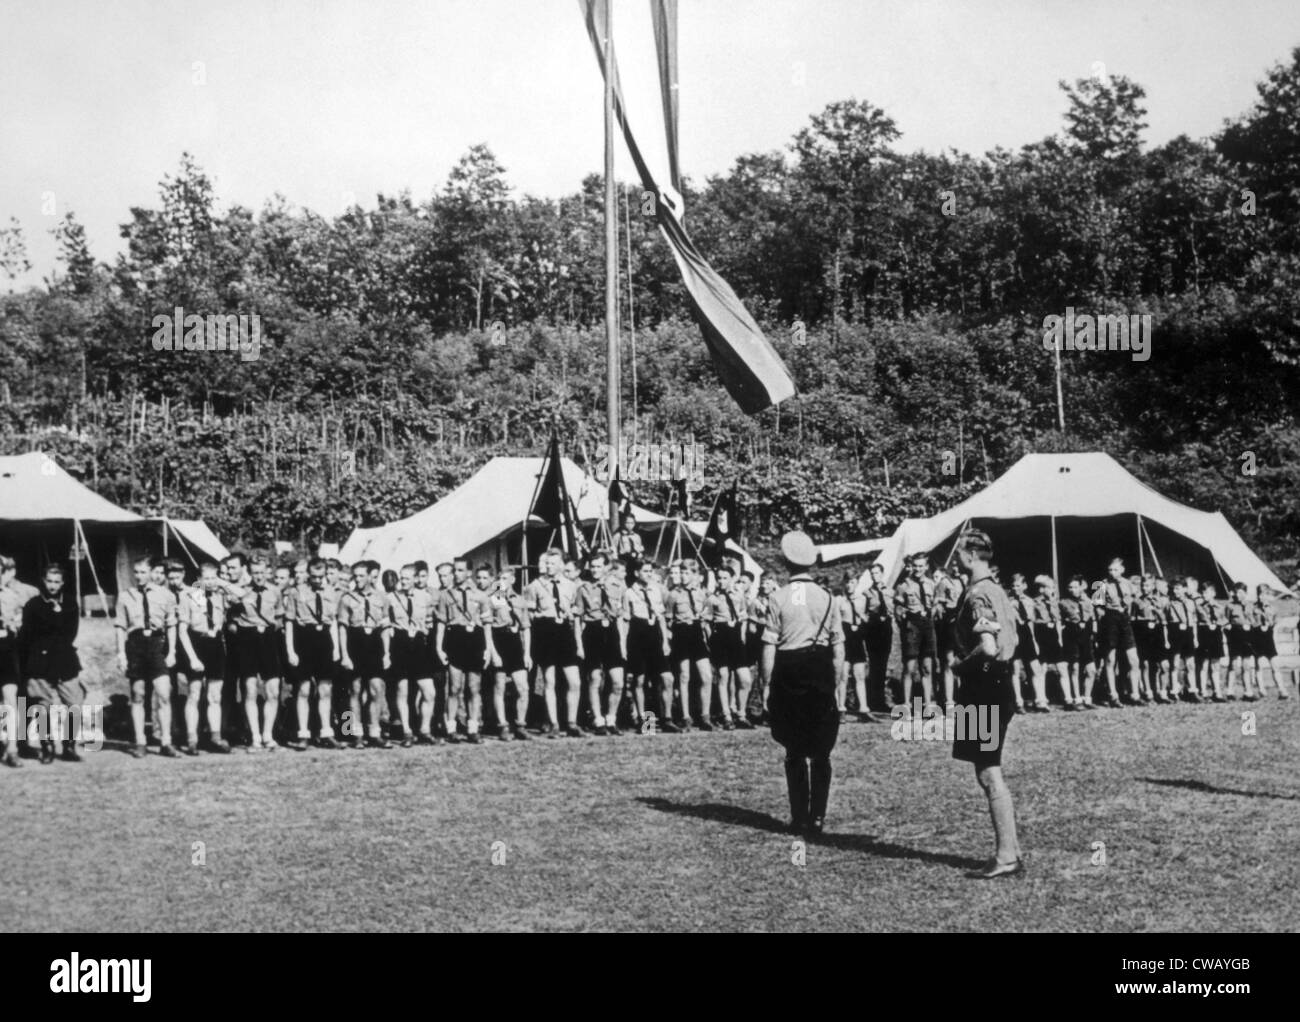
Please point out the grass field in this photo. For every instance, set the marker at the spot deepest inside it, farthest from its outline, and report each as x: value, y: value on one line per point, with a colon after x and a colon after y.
x: 1200, y: 825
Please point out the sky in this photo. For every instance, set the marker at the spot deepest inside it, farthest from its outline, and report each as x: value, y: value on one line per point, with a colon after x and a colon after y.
x: 330, y: 102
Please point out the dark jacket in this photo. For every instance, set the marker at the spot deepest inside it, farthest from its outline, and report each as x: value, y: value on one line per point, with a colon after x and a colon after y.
x: 48, y: 639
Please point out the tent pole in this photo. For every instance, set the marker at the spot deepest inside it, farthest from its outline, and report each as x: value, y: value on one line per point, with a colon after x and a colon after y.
x: 1159, y: 570
x: 103, y: 600
x: 960, y: 532
x: 167, y: 524
x: 1142, y: 564
x: 76, y: 565
x: 1056, y: 570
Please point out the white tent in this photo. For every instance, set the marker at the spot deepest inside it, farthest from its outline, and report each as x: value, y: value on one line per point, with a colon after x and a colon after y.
x: 831, y: 552
x: 483, y: 519
x: 1062, y: 514
x: 47, y: 515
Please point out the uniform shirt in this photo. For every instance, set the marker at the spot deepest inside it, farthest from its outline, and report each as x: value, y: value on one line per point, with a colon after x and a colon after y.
x: 202, y: 611
x: 508, y: 611
x: 756, y: 612
x: 1047, y: 611
x: 1238, y: 614
x: 596, y: 602
x: 464, y: 606
x: 1207, y: 612
x: 1022, y: 607
x: 643, y: 603
x: 309, y: 607
x: 1176, y: 614
x: 364, y: 610
x: 879, y: 603
x: 686, y: 606
x: 430, y: 597
x: 1116, y: 595
x: 725, y: 608
x: 853, y: 610
x: 410, y: 610
x: 984, y: 608
x: 131, y: 606
x: 628, y: 544
x: 1265, y: 615
x: 257, y: 608
x: 550, y: 598
x: 1146, y: 609
x: 1162, y: 609
x: 947, y: 593
x: 913, y: 597
x: 801, y: 614
x: 1071, y: 610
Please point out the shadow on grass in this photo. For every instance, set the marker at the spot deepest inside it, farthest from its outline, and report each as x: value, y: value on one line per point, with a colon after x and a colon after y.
x: 1211, y: 789
x: 863, y: 843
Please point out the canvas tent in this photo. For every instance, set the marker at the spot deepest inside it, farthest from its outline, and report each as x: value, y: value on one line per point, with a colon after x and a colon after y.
x: 1066, y: 514
x: 47, y: 515
x: 483, y: 519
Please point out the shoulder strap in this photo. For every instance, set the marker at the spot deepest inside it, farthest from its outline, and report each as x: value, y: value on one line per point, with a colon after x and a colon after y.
x: 830, y: 604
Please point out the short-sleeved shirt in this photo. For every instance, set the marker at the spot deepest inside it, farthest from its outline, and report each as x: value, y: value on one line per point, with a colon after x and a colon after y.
x: 913, y: 596
x: 599, y: 601
x: 202, y: 611
x: 308, y: 607
x: 947, y: 593
x: 686, y: 605
x: 1023, y: 608
x: 1071, y: 610
x: 158, y: 601
x: 1116, y: 595
x: 550, y: 598
x: 508, y: 610
x: 364, y: 610
x: 643, y: 603
x: 725, y: 608
x: 756, y: 612
x: 464, y: 606
x: 879, y: 603
x: 410, y: 609
x: 1047, y: 611
x: 800, y: 614
x: 257, y: 607
x: 985, y: 607
x: 628, y: 544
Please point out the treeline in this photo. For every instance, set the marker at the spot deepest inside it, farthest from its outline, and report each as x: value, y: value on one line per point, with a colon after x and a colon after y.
x: 406, y: 343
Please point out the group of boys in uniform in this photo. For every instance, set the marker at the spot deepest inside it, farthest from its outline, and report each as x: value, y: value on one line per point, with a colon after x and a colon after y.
x: 1165, y: 641
x: 321, y: 654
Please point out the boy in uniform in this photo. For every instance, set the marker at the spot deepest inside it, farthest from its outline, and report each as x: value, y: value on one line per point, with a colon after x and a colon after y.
x: 146, y: 649
x: 690, y: 642
x: 1077, y: 619
x: 201, y: 619
x: 14, y: 596
x: 365, y: 654
x: 879, y: 636
x: 257, y: 613
x: 913, y: 607
x: 725, y: 612
x: 52, y: 666
x: 647, y: 643
x: 465, y: 646
x: 511, y: 642
x: 602, y: 640
x: 312, y: 644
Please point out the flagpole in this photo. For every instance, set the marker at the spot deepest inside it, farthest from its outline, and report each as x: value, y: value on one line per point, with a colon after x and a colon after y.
x: 611, y: 256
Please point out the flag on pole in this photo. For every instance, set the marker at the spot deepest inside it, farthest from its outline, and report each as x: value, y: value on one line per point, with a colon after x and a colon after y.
x: 723, y: 526
x: 552, y: 504
x: 679, y: 500
x: 746, y: 363
x: 620, y: 501
x: 663, y: 15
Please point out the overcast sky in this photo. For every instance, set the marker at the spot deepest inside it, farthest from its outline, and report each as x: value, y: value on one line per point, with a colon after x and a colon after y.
x: 332, y: 101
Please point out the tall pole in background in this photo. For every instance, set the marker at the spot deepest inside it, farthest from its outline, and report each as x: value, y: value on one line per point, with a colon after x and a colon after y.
x: 1060, y: 397
x: 611, y: 258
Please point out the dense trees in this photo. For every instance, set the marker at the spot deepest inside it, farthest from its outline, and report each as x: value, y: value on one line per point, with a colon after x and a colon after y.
x: 407, y: 341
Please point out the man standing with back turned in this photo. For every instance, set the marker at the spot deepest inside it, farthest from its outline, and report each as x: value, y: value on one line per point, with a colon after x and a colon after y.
x: 803, y: 654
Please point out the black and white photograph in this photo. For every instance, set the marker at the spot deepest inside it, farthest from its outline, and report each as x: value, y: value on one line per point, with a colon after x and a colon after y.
x: 631, y: 466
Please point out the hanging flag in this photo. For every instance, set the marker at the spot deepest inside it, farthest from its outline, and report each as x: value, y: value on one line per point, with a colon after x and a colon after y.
x: 551, y: 501
x: 747, y: 364
x: 663, y: 15
x: 722, y: 527
x: 620, y: 501
x: 679, y: 500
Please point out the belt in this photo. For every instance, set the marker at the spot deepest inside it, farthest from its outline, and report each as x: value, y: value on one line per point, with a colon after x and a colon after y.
x: 146, y: 632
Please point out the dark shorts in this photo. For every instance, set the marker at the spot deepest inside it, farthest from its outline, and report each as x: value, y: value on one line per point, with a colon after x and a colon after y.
x: 554, y: 644
x: 726, y: 648
x: 688, y: 642
x: 1115, y: 632
x: 987, y: 688
x: 754, y: 646
x: 408, y: 654
x: 1182, y: 641
x: 917, y: 637
x: 1210, y: 644
x: 464, y: 648
x: 600, y: 646
x: 256, y: 654
x: 1049, y: 644
x: 1076, y: 646
x: 146, y: 656
x: 510, y: 649
x: 366, y: 651
x: 1239, y: 643
x: 1263, y: 643
x: 55, y: 662
x: 944, y: 635
x: 855, y: 644
x: 879, y: 637
x: 9, y: 674
x: 315, y: 651
x: 1149, y: 640
x: 802, y: 706
x: 1026, y: 644
x: 645, y: 648
x: 211, y: 651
